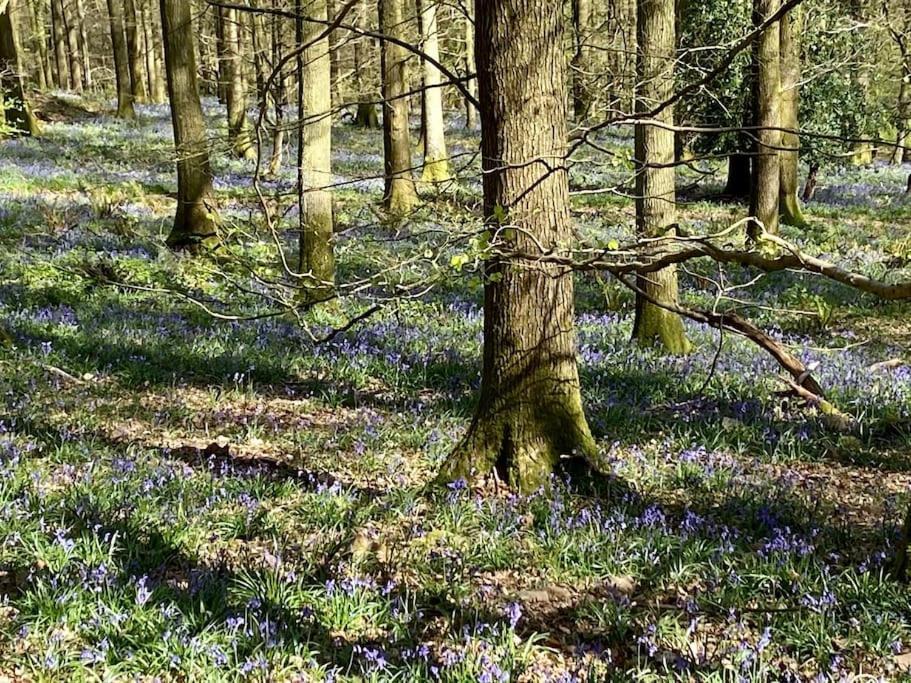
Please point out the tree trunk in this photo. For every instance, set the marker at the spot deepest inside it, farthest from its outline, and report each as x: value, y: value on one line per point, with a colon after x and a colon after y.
x: 64, y: 81
x: 436, y: 159
x: 153, y: 53
x: 235, y: 92
x: 121, y: 61
x: 903, y: 122
x: 580, y: 62
x: 71, y: 29
x: 400, y: 195
x: 16, y: 115
x: 39, y: 44
x: 530, y: 411
x: 134, y: 52
x: 366, y: 116
x: 316, y: 255
x: 195, y: 222
x: 766, y: 167
x: 279, y: 96
x: 740, y: 177
x: 809, y: 188
x: 471, y: 113
x: 789, y: 31
x: 84, y: 45
x: 656, y: 214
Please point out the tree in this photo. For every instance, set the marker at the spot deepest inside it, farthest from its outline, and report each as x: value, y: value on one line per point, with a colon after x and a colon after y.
x: 530, y: 409
x: 471, y: 113
x: 195, y: 221
x: 400, y: 196
x: 71, y: 30
x: 436, y: 159
x: 656, y: 214
x: 581, y: 26
x: 316, y: 254
x: 59, y: 42
x: 767, y: 101
x: 789, y: 31
x: 121, y: 61
x: 235, y: 87
x: 134, y: 51
x: 366, y: 111
x: 17, y: 117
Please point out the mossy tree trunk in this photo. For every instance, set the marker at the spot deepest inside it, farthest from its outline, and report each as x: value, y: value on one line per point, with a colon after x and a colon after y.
x: 121, y: 61
x: 582, y: 11
x: 134, y: 49
x: 195, y: 222
x: 400, y: 195
x: 530, y: 410
x: 790, y: 28
x: 17, y: 118
x: 656, y: 214
x: 764, y: 197
x: 436, y: 159
x: 316, y: 254
x: 239, y: 134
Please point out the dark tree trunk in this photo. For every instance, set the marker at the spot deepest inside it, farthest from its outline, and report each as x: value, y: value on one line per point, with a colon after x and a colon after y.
x: 530, y: 411
x: 740, y: 177
x: 195, y: 221
x: 581, y: 26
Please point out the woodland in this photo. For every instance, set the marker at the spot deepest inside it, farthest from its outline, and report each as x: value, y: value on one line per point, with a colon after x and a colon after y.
x: 461, y: 341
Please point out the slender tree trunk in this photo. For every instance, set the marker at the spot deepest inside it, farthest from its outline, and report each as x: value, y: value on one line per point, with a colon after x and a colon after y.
x: 121, y: 61
x: 809, y: 188
x: 195, y: 222
x: 136, y: 63
x: 220, y: 56
x: 153, y: 53
x: 39, y: 44
x: 656, y: 214
x: 471, y: 113
x: 400, y: 196
x: 279, y: 96
x: 59, y: 41
x: 766, y: 168
x: 16, y: 114
x: 790, y: 28
x: 71, y: 29
x: 530, y: 411
x: 366, y: 116
x: 235, y: 94
x: 84, y: 45
x: 740, y: 176
x: 316, y: 255
x: 436, y: 159
x: 580, y: 62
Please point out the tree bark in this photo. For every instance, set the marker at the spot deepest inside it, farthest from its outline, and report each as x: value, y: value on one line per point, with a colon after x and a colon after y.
x: 153, y: 53
x: 366, y: 116
x: 84, y: 45
x: 235, y: 92
x: 471, y: 113
x: 656, y: 214
x: 195, y: 222
x: 581, y: 26
x: 530, y: 410
x: 400, y: 195
x: 790, y: 29
x: 64, y: 81
x: 39, y: 45
x: 316, y: 253
x: 436, y: 159
x: 74, y: 54
x: 17, y: 117
x: 279, y: 96
x: 121, y: 61
x: 134, y: 52
x: 766, y: 168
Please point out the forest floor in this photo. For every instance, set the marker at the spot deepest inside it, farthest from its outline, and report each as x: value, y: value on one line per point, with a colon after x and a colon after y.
x: 188, y: 498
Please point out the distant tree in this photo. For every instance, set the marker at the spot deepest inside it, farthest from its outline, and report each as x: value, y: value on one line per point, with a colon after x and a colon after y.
x: 366, y: 110
x: 656, y: 203
x: 767, y: 101
x: 195, y: 222
x: 125, y: 108
x: 436, y: 159
x: 400, y: 196
x: 581, y: 61
x: 62, y: 67
x: 530, y: 410
x: 134, y: 50
x: 471, y: 113
x: 790, y: 28
x: 70, y: 17
x: 316, y: 254
x: 239, y: 134
x: 17, y: 116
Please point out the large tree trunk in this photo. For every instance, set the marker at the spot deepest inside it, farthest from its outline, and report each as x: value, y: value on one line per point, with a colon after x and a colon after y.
x: 316, y: 255
x: 581, y: 26
x: 14, y: 108
x: 471, y: 113
x: 436, y: 159
x: 195, y: 221
x: 366, y: 111
x: 400, y: 196
x: 59, y: 42
x: 656, y: 214
x: 767, y: 99
x: 235, y: 93
x: 134, y: 51
x: 789, y: 31
x: 530, y: 411
x: 121, y: 61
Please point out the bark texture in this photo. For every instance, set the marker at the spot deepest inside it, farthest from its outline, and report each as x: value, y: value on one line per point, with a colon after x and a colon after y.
x: 17, y: 118
x: 656, y: 214
x: 789, y: 32
x: 134, y: 49
x: 121, y: 61
x: 436, y: 159
x: 582, y: 11
x: 316, y: 254
x: 239, y: 134
x: 195, y: 222
x: 766, y: 168
x: 530, y: 410
x: 400, y: 196
x: 366, y: 116
x: 61, y: 64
